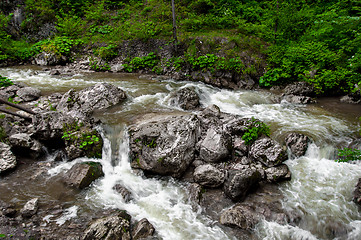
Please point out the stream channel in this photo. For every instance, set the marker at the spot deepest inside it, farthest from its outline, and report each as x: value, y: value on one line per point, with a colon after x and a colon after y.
x: 320, y: 190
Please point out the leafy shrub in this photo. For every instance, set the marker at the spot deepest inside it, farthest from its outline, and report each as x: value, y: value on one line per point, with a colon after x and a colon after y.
x: 70, y: 25
x: 348, y: 154
x: 255, y: 130
x: 98, y: 65
x: 107, y: 52
x: 149, y: 61
x: 5, y: 82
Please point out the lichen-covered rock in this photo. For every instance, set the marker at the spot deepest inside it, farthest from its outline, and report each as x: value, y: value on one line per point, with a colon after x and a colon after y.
x: 185, y: 98
x: 297, y: 143
x: 116, y: 226
x: 83, y: 103
x: 28, y: 94
x: 242, y: 216
x: 83, y: 174
x: 240, y: 180
x: 30, y: 208
x: 216, y: 146
x: 278, y: 173
x: 208, y: 175
x: 7, y: 158
x: 268, y: 152
x: 164, y: 145
x: 142, y: 230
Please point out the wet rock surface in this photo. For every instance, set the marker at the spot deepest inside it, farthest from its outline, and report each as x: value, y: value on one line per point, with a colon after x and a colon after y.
x: 357, y: 193
x: 116, y: 226
x: 268, y: 152
x: 142, y: 230
x: 297, y: 143
x: 185, y: 98
x: 30, y: 208
x: 81, y: 104
x: 164, y: 145
x: 7, y: 158
x: 83, y: 174
x: 209, y: 176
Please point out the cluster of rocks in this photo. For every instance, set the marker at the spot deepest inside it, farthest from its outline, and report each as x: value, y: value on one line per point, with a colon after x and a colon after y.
x: 58, y: 121
x: 207, y: 150
x: 54, y: 116
x: 27, y: 223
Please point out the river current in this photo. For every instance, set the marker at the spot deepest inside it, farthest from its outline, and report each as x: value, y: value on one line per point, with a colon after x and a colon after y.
x: 320, y: 191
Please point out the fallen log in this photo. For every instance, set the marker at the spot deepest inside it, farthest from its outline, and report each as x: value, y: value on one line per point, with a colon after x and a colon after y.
x: 16, y: 106
x: 15, y: 114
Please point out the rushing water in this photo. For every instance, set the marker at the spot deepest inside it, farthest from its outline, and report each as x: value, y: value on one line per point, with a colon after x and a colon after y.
x: 320, y: 192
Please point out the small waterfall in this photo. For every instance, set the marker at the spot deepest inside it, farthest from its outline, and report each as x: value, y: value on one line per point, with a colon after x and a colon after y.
x: 163, y: 202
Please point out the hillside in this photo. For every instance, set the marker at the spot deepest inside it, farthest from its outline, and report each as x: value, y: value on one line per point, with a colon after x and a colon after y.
x: 271, y: 42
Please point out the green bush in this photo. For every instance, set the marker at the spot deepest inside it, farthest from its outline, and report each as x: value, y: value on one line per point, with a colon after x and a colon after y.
x: 146, y: 62
x: 254, y: 130
x: 348, y: 154
x: 5, y: 82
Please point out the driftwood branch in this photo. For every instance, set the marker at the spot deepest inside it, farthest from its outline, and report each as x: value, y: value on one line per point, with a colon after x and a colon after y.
x: 15, y: 114
x: 16, y: 106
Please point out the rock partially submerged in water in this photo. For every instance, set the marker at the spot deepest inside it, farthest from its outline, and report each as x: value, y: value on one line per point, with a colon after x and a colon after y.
x: 81, y: 104
x: 143, y: 230
x: 297, y: 143
x: 241, y: 180
x: 268, y: 152
x: 185, y: 98
x: 30, y: 208
x: 83, y: 174
x: 7, y: 158
x: 116, y: 226
x: 164, y: 145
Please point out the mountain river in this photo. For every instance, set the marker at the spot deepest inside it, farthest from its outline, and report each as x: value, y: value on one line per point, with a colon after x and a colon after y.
x: 320, y: 190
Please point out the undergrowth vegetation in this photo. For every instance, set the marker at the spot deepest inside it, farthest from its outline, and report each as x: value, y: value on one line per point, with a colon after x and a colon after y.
x: 320, y: 42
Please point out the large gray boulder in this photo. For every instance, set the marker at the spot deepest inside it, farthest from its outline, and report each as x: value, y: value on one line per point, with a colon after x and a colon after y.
x: 83, y: 174
x: 116, y: 226
x: 50, y: 125
x: 185, y: 98
x: 23, y: 144
x: 83, y: 103
x: 7, y: 158
x: 268, y: 152
x: 164, y: 145
x: 208, y: 175
x: 28, y: 93
x: 240, y: 180
x: 216, y: 146
x: 297, y: 143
